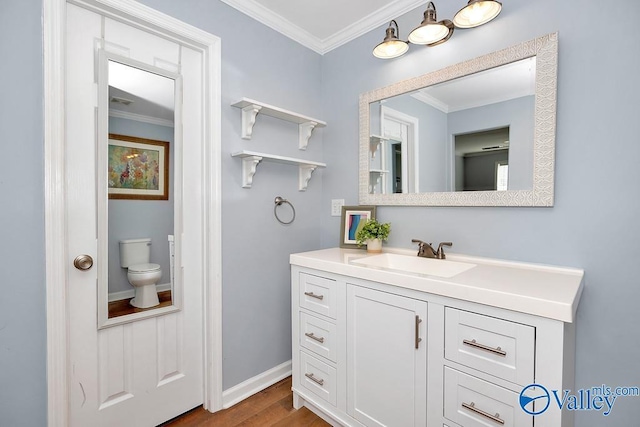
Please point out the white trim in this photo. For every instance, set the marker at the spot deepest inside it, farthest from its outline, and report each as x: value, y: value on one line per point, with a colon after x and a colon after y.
x: 412, y: 149
x: 140, y: 118
x: 129, y: 293
x: 431, y: 100
x: 55, y: 226
x: 276, y: 22
x: 322, y: 46
x: 255, y: 384
x: 370, y: 22
x: 57, y: 261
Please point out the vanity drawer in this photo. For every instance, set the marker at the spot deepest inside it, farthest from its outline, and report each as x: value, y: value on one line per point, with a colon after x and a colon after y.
x: 318, y: 336
x: 318, y: 294
x: 472, y: 402
x: 498, y: 347
x: 318, y: 378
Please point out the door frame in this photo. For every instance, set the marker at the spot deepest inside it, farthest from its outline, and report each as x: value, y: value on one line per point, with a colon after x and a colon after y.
x: 412, y: 169
x: 57, y: 259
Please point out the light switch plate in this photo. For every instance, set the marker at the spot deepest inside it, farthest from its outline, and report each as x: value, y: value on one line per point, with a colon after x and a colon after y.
x: 336, y: 207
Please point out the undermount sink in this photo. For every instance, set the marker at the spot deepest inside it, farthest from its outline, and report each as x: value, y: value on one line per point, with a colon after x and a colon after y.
x: 414, y: 264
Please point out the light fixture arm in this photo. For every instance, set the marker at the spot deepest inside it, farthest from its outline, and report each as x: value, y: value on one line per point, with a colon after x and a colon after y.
x: 430, y: 15
x: 390, y: 32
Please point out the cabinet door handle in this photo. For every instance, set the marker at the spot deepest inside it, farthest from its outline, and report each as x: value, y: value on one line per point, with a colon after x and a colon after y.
x: 312, y: 295
x: 314, y: 379
x: 472, y: 407
x: 313, y: 337
x: 497, y: 350
x: 418, y: 339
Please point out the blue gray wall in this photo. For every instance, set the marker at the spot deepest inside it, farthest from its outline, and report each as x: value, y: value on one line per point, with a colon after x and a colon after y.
x: 432, y: 141
x: 22, y: 272
x: 261, y: 64
x: 517, y: 114
x: 594, y: 223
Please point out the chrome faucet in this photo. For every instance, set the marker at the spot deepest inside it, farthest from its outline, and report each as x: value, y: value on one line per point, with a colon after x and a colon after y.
x: 426, y: 250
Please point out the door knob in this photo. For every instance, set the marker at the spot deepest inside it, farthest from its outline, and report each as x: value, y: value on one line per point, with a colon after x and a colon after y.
x: 83, y: 262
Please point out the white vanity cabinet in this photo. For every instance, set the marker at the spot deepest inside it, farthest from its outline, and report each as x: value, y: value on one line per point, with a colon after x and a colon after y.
x: 386, y: 358
x: 375, y: 347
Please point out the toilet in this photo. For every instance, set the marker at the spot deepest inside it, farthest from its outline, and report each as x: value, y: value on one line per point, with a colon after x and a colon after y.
x: 143, y: 275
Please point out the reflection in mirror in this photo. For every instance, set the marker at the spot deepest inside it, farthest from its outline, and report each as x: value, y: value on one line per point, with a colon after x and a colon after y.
x: 138, y: 157
x: 430, y: 131
x: 482, y: 160
x: 485, y: 127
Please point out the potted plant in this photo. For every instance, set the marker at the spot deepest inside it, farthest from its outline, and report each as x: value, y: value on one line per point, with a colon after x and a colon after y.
x: 373, y: 233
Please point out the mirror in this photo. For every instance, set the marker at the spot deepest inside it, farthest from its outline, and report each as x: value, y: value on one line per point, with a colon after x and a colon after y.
x: 478, y: 133
x: 137, y: 206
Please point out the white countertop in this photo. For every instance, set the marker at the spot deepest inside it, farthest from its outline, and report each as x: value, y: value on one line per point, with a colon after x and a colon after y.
x: 541, y: 290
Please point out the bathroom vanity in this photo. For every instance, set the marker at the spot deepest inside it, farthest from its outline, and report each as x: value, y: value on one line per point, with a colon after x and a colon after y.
x: 398, y: 340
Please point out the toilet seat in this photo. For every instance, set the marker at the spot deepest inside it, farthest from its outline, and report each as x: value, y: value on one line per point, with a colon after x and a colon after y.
x: 144, y: 268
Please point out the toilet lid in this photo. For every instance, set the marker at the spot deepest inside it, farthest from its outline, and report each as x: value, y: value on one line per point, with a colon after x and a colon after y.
x: 143, y: 268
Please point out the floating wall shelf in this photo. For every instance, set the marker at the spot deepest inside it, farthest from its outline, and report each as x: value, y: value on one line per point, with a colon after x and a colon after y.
x: 250, y: 160
x: 251, y: 108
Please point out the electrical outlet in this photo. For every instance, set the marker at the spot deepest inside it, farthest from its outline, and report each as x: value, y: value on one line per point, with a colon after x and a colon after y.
x: 336, y: 207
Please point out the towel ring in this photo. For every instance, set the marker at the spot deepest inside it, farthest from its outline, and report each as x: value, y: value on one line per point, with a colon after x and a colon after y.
x: 279, y: 201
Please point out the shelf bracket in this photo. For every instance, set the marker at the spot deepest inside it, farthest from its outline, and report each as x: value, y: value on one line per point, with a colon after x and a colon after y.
x: 249, y: 165
x: 374, y: 181
x: 304, y: 133
x: 304, y: 175
x: 249, y: 114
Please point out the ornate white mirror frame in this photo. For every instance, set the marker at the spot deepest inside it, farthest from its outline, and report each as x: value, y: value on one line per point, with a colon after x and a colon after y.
x: 545, y: 49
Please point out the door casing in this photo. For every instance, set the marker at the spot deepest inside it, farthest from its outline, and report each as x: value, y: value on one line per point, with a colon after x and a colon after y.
x: 57, y: 259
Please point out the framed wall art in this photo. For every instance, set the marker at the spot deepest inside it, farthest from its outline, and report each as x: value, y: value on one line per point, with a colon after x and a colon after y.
x: 138, y: 168
x: 352, y: 218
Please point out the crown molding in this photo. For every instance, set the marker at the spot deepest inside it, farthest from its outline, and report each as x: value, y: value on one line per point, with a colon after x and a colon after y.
x: 140, y: 118
x: 322, y: 46
x: 370, y: 22
x: 276, y: 22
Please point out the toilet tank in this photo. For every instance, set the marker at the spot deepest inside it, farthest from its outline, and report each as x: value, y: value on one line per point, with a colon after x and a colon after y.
x: 134, y: 251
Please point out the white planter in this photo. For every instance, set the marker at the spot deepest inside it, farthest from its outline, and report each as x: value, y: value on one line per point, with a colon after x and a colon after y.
x: 374, y: 245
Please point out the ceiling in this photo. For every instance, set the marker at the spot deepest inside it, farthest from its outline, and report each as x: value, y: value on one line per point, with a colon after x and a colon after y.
x: 503, y: 83
x: 324, y: 25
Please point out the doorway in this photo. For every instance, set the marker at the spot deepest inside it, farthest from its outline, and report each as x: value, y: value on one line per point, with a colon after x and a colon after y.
x: 199, y: 240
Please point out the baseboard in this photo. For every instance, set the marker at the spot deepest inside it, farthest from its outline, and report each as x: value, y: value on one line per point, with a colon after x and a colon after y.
x: 253, y: 385
x: 128, y: 294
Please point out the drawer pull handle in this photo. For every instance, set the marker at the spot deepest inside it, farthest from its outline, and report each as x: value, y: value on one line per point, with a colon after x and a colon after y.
x: 313, y: 337
x: 418, y: 339
x: 314, y: 379
x: 497, y: 350
x: 472, y: 407
x: 312, y: 295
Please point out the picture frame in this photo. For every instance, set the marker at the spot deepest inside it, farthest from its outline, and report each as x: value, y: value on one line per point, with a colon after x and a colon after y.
x: 138, y: 168
x: 351, y: 217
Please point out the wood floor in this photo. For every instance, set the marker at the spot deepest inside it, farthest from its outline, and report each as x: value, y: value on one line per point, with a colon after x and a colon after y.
x: 122, y: 307
x: 271, y: 407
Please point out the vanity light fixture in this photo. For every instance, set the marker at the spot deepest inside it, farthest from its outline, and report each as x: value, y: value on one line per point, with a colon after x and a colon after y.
x: 431, y: 32
x: 476, y: 13
x: 391, y: 46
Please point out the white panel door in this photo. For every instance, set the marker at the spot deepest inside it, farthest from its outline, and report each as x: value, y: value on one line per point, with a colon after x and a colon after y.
x: 147, y: 371
x: 386, y: 358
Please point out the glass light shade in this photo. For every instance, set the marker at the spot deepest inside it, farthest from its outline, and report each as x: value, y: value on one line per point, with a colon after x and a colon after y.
x: 429, y: 33
x: 390, y: 49
x: 476, y: 13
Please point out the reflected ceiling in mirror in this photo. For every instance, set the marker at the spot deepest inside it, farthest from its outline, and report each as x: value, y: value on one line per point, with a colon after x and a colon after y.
x: 512, y: 91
